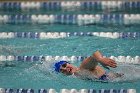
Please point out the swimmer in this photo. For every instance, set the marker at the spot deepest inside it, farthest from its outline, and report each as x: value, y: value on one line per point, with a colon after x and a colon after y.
x: 89, y: 68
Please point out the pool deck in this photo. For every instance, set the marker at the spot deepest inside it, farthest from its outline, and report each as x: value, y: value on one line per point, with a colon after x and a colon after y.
x: 58, y: 0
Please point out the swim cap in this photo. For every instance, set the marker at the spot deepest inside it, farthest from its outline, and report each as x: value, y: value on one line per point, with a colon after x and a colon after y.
x: 57, y: 65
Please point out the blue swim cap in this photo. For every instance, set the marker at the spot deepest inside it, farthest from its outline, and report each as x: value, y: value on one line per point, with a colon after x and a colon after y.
x: 57, y: 65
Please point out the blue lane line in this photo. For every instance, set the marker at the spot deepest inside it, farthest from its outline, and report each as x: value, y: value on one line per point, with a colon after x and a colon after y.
x: 38, y: 35
x: 54, y: 5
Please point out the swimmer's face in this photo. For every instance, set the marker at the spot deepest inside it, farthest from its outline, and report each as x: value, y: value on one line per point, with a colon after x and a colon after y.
x: 67, y: 69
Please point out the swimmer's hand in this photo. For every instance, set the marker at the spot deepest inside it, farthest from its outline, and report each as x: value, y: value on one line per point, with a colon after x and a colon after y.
x: 103, y: 60
x: 108, y: 62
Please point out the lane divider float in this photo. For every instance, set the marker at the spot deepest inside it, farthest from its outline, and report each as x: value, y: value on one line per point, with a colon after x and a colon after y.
x: 119, y: 59
x: 9, y: 90
x: 78, y: 19
x: 57, y: 5
x: 55, y: 35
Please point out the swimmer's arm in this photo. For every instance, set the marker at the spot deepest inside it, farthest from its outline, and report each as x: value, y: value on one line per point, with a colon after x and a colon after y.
x: 88, y: 63
x: 98, y: 56
x: 103, y: 60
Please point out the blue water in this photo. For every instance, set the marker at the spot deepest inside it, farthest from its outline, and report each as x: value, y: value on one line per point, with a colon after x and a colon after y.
x: 68, y: 28
x: 71, y: 46
x: 35, y: 75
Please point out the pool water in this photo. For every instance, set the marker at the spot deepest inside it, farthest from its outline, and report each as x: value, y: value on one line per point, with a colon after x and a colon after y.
x: 37, y: 75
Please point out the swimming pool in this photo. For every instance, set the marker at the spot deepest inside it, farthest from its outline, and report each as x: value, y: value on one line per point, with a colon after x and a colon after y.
x: 27, y: 46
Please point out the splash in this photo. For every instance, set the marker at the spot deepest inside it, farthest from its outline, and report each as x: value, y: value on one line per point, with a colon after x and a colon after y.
x: 131, y: 73
x: 47, y: 68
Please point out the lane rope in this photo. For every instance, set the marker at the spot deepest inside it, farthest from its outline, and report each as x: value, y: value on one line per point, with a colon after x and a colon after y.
x: 79, y: 19
x: 20, y: 90
x: 55, y: 35
x: 56, y: 5
x: 119, y: 59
